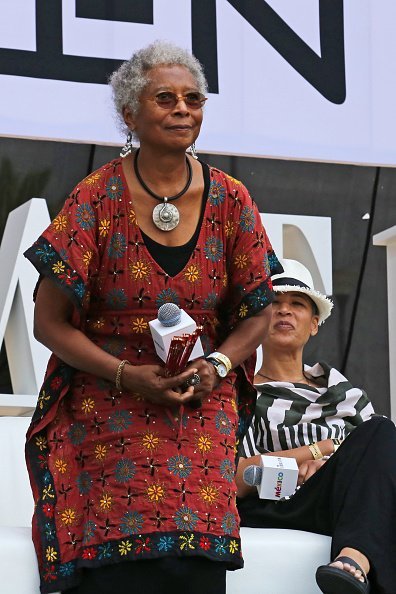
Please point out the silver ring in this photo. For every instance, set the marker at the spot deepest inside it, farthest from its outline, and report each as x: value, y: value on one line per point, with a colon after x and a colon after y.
x: 194, y: 380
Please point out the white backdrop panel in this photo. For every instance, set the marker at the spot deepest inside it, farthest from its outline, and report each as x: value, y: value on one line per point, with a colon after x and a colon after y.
x: 264, y: 107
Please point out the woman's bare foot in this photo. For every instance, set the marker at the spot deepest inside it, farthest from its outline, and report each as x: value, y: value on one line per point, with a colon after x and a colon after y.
x: 356, y: 556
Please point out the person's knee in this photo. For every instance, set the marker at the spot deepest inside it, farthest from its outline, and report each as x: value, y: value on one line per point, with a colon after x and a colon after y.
x: 382, y: 425
x: 381, y: 421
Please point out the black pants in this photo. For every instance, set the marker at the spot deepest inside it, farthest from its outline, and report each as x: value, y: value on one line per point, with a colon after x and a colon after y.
x: 351, y: 498
x: 167, y: 575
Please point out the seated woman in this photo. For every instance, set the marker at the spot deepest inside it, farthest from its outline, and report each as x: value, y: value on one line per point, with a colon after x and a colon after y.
x: 345, y: 453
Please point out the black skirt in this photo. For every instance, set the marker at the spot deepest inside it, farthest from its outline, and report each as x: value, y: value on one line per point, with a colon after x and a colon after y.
x: 351, y: 498
x: 166, y: 575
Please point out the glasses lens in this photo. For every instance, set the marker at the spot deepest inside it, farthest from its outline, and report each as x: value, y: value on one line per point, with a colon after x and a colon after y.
x: 166, y: 99
x: 194, y: 100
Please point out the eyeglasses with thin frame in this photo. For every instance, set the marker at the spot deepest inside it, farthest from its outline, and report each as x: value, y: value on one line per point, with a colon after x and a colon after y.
x: 169, y: 100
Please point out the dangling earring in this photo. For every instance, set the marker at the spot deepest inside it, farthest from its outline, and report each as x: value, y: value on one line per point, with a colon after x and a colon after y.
x: 128, y: 146
x: 192, y: 151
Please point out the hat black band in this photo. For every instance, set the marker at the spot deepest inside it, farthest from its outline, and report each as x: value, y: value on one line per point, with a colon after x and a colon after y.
x: 293, y: 282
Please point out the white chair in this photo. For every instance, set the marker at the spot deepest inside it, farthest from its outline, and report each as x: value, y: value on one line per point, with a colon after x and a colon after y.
x: 276, y: 561
x: 279, y: 562
x: 18, y: 564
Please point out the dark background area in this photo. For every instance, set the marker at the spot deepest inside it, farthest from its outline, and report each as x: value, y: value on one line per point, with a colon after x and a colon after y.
x: 355, y: 337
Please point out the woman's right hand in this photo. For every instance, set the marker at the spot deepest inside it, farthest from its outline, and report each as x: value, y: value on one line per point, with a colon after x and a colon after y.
x: 308, y: 469
x: 150, y: 383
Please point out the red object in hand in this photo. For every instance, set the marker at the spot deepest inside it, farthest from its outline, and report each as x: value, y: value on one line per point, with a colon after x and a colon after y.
x: 180, y: 351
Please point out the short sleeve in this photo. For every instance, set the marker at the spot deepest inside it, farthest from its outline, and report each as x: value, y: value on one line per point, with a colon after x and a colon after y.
x: 67, y: 251
x: 247, y: 447
x: 251, y: 259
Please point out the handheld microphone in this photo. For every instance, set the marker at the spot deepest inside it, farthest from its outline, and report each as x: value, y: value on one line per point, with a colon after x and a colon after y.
x: 169, y: 314
x: 252, y: 475
x: 275, y: 478
x: 173, y: 321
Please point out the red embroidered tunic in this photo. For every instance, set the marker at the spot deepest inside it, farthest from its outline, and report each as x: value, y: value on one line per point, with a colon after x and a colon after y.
x: 116, y: 477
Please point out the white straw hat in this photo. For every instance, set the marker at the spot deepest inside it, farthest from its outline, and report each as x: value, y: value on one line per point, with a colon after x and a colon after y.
x: 296, y: 277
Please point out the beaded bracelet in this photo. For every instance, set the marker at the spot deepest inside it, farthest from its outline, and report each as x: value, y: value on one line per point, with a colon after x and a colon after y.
x: 119, y: 373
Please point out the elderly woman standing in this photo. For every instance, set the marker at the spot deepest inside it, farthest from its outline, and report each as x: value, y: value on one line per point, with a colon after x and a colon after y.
x: 132, y: 471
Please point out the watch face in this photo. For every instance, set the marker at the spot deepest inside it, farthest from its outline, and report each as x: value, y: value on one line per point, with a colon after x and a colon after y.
x: 221, y: 369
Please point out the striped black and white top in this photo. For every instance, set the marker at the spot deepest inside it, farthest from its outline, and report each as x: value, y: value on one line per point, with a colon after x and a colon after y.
x: 291, y: 415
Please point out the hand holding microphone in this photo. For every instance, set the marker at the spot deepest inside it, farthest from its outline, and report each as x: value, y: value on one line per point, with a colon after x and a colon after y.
x: 149, y: 382
x: 176, y: 340
x: 275, y: 478
x: 171, y: 323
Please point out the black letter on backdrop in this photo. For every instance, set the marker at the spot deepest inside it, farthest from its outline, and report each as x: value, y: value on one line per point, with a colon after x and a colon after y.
x: 326, y: 73
x: 49, y: 61
x: 204, y: 39
x: 132, y: 11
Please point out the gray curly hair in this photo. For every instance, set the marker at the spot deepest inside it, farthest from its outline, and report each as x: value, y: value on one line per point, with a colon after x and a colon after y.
x: 130, y: 79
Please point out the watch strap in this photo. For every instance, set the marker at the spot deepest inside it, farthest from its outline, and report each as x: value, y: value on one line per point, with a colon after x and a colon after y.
x: 216, y: 356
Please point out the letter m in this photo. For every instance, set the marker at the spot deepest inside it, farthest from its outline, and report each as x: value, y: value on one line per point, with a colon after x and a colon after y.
x: 27, y: 359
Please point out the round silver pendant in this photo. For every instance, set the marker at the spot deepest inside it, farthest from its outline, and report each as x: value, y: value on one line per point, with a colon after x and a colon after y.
x: 166, y: 216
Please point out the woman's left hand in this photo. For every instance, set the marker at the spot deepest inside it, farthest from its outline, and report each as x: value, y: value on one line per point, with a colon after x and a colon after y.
x: 208, y: 378
x: 308, y: 469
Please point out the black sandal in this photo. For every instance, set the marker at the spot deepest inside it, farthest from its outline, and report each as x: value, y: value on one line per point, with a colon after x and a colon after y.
x: 332, y: 580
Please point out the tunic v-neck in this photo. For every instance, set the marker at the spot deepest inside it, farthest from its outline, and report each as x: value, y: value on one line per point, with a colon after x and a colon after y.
x: 173, y: 259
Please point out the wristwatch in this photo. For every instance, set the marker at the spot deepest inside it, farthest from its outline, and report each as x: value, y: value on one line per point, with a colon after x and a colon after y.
x: 220, y: 368
x: 221, y: 363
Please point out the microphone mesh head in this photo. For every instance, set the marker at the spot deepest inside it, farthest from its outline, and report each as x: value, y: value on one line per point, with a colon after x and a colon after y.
x: 252, y: 476
x: 169, y: 314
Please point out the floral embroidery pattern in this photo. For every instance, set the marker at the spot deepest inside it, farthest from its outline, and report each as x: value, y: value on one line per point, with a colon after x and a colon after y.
x: 125, y: 470
x: 167, y: 296
x: 180, y: 466
x: 84, y: 482
x: 185, y: 518
x: 85, y: 216
x: 229, y: 523
x: 216, y: 193
x: 119, y: 421
x: 139, y: 325
x: 223, y: 423
x: 248, y: 219
x: 114, y: 188
x: 116, y: 299
x: 117, y: 245
x: 60, y: 223
x: 192, y: 273
x: 213, y: 249
x: 104, y: 227
x: 139, y: 269
x: 227, y: 470
x: 131, y: 523
x: 209, y: 493
x: 155, y: 492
